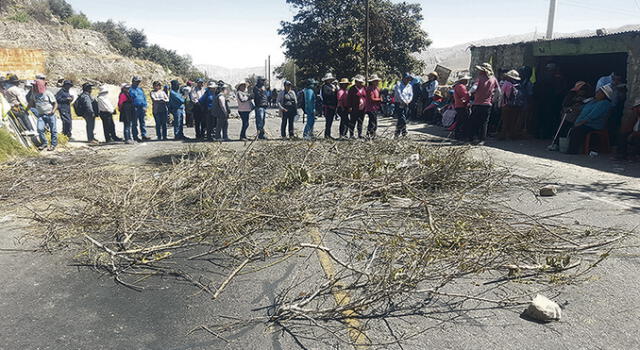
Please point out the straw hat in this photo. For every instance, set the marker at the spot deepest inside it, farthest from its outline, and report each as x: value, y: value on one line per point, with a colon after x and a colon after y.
x: 438, y: 93
x: 240, y: 84
x: 485, y: 67
x: 434, y: 74
x: 104, y: 90
x: 212, y: 84
x: 374, y: 77
x: 359, y: 78
x: 465, y: 77
x: 328, y: 77
x: 513, y: 74
x: 344, y: 81
x: 607, y: 90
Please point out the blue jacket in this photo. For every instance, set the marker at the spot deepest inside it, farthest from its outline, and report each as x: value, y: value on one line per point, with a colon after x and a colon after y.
x: 309, y: 101
x: 176, y: 101
x: 207, y: 99
x: 137, y: 94
x: 595, y: 113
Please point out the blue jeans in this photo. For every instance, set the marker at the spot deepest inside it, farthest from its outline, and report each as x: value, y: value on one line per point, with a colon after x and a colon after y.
x: 127, y: 130
x: 308, y: 128
x: 178, y: 120
x: 261, y: 113
x: 161, y: 116
x: 140, y: 114
x: 401, y: 114
x: 245, y: 124
x: 50, y: 121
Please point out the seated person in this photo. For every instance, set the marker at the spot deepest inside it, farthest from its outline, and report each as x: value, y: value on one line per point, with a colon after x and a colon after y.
x: 593, y: 117
x: 572, y: 105
x: 629, y: 143
x: 432, y: 111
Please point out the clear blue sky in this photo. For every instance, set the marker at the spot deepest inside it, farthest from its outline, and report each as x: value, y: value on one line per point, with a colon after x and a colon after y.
x: 241, y: 33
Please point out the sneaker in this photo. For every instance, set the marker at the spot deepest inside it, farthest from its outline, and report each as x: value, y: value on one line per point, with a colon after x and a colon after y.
x: 146, y: 138
x: 42, y: 147
x: 117, y: 139
x: 130, y: 142
x: 51, y: 149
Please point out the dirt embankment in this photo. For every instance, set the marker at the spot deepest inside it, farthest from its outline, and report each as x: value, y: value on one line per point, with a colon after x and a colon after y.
x: 77, y: 54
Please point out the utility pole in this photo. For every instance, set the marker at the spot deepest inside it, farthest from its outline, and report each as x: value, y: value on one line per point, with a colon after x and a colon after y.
x: 269, y: 71
x: 553, y: 5
x: 367, y: 39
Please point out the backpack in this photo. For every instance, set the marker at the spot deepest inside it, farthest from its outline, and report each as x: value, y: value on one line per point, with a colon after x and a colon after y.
x: 300, y: 98
x: 77, y: 107
x: 94, y: 105
x: 518, y: 98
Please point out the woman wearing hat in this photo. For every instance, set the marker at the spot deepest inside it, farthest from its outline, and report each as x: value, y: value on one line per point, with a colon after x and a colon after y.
x: 105, y: 112
x: 177, y: 110
x: 329, y: 97
x: 343, y: 106
x: 372, y: 107
x: 288, y: 104
x: 485, y: 90
x: 160, y: 102
x: 245, y: 106
x: 461, y: 103
x: 592, y: 118
x: 430, y: 88
x: 572, y: 106
x: 357, y: 99
x: 513, y: 103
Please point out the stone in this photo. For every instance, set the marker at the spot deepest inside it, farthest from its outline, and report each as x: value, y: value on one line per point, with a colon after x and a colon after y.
x: 543, y: 309
x: 549, y: 191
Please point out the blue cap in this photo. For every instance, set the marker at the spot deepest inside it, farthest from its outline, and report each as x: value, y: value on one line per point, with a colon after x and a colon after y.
x: 407, y: 76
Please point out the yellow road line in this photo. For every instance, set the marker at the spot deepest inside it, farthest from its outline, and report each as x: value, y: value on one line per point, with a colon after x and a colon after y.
x: 342, y: 298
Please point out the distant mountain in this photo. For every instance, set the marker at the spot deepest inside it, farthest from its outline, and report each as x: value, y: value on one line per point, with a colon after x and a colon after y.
x: 233, y: 76
x: 459, y: 57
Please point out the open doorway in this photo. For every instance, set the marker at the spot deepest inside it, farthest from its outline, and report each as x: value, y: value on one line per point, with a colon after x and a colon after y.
x: 588, y: 68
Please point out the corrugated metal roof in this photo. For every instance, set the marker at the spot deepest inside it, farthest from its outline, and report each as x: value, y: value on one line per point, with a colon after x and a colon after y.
x: 564, y: 37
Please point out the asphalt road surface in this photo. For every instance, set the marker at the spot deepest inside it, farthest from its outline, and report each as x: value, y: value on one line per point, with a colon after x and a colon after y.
x: 46, y: 303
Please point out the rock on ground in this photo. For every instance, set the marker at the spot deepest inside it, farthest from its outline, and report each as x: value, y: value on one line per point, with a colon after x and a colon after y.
x: 543, y: 309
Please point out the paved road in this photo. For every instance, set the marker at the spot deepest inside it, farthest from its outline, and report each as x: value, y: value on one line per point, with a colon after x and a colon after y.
x: 47, y: 304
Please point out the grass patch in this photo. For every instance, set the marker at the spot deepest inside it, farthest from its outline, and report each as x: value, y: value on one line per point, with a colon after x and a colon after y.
x: 10, y: 148
x: 20, y: 16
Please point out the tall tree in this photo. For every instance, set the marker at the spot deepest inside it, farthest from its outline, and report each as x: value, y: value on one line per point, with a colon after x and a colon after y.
x: 329, y: 35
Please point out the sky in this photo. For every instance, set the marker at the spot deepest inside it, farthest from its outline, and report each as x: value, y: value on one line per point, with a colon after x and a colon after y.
x: 242, y: 33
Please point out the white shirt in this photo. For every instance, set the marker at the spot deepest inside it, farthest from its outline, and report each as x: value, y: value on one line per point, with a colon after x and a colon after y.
x: 104, y: 105
x: 403, y: 93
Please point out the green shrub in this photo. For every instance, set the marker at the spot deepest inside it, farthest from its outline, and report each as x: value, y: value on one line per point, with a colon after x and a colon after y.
x: 10, y: 147
x: 79, y: 21
x: 20, y: 16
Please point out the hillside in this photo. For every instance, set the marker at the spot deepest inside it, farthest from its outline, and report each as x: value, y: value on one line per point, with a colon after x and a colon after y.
x: 234, y: 76
x: 78, y: 54
x: 459, y: 57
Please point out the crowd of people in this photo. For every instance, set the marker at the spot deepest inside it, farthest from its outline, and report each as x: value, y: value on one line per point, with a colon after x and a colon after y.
x: 468, y: 108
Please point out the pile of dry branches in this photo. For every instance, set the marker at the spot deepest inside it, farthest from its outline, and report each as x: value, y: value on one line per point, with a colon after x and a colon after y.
x: 400, y: 223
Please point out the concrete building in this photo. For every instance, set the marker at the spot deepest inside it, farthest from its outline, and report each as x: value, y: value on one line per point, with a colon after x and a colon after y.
x: 580, y: 58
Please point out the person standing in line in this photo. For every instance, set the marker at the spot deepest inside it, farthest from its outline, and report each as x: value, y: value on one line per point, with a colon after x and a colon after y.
x: 512, y: 106
x: 403, y: 95
x: 430, y: 88
x: 461, y: 102
x: 105, y: 112
x: 261, y: 102
x: 206, y: 104
x: 288, y: 104
x: 343, y: 107
x: 310, y: 108
x: 127, y: 113
x: 329, y: 97
x: 372, y: 106
x: 245, y: 106
x: 188, y: 106
x: 140, y: 106
x: 357, y: 99
x: 177, y: 110
x: 199, y: 118
x: 17, y: 99
x: 221, y: 112
x: 84, y: 106
x: 486, y: 90
x: 64, y: 99
x: 45, y: 105
x: 160, y: 101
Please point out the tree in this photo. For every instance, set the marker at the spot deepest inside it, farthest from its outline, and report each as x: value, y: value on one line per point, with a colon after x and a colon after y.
x: 79, y: 21
x: 61, y: 9
x: 138, y: 38
x: 287, y: 71
x: 329, y: 36
x: 116, y: 33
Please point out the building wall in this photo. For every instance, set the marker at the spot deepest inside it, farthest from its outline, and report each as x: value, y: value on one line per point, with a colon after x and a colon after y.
x: 504, y: 57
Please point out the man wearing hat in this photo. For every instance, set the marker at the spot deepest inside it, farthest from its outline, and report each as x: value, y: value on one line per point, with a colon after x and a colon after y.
x: 64, y: 99
x: 13, y: 93
x: 372, y: 106
x: 629, y: 143
x: 43, y: 104
x: 199, y: 120
x: 177, y: 110
x: 206, y: 103
x: 357, y: 100
x: 140, y: 107
x: 486, y: 89
x: 245, y: 106
x: 592, y: 117
x: 403, y: 94
x: 261, y: 102
x: 309, y: 109
x: 106, y: 111
x: 329, y: 97
x: 84, y: 108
